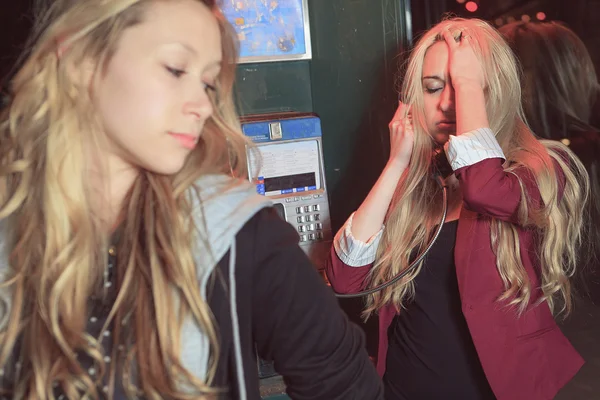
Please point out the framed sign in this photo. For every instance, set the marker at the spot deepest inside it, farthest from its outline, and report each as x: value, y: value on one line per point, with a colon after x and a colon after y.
x: 270, y: 30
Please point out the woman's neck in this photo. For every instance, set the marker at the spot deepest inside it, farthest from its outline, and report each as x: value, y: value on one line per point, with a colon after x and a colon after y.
x: 110, y: 186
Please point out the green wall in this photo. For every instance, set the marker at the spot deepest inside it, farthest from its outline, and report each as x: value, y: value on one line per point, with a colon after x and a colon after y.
x: 350, y: 83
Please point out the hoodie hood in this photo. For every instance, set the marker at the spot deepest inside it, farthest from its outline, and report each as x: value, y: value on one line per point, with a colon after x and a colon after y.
x: 222, y: 206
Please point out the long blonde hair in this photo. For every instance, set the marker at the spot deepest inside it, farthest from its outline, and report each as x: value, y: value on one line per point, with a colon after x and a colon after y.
x: 416, y: 207
x: 560, y: 86
x: 58, y: 249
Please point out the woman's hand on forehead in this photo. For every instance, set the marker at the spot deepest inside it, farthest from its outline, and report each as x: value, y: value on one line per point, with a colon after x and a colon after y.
x: 464, y: 66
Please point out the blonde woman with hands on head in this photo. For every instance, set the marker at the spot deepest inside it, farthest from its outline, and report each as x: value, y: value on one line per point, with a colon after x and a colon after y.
x: 475, y: 320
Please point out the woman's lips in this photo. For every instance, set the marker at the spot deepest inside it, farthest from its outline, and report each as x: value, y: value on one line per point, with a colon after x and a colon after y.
x: 186, y: 140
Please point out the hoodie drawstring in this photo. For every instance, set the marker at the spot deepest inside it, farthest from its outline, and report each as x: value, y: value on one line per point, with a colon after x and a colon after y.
x: 237, y: 343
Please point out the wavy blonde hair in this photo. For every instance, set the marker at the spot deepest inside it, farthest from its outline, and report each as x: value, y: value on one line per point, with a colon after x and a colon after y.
x: 560, y: 86
x: 416, y: 207
x: 57, y: 247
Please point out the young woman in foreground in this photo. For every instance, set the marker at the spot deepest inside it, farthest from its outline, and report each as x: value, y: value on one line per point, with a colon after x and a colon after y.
x: 132, y: 264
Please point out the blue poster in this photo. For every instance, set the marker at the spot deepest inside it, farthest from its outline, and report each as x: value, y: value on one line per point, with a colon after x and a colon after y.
x: 270, y: 30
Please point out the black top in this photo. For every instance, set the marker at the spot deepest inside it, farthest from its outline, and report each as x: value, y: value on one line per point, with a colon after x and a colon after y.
x: 286, y: 313
x: 431, y: 354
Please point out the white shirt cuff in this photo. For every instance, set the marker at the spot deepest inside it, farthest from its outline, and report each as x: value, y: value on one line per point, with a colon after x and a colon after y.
x: 472, y: 147
x: 354, y: 252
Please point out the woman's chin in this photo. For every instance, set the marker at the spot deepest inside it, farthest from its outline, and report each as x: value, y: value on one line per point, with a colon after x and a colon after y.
x: 441, y: 137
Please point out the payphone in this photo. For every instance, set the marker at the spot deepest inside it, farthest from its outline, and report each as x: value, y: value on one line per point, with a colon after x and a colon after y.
x: 287, y: 166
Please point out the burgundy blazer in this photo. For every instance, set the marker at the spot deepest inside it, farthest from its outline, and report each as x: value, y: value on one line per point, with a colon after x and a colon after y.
x: 524, y: 357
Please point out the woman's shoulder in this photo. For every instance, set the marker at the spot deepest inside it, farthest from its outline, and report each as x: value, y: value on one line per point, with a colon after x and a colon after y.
x: 223, y: 205
x: 266, y: 232
x: 263, y: 245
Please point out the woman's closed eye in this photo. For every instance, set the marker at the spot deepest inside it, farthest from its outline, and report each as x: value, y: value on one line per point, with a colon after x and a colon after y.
x: 433, y: 89
x: 209, y: 87
x: 177, y: 73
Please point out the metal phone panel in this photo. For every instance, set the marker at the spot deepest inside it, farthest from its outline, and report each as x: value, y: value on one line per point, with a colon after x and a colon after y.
x: 291, y: 173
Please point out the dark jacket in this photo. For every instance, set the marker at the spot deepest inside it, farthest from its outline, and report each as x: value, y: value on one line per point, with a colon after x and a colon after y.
x: 285, y: 308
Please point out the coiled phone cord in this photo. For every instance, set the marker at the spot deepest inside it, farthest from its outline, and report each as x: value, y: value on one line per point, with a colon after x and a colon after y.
x: 416, y: 262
